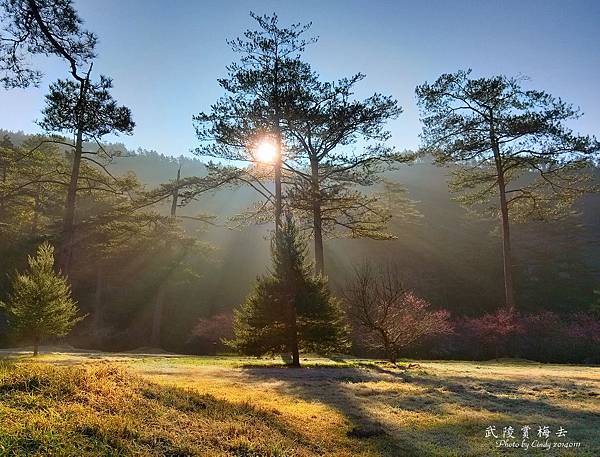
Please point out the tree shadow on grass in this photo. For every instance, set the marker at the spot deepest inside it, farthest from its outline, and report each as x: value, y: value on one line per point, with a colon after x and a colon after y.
x: 390, y: 414
x: 506, y: 397
x: 326, y: 386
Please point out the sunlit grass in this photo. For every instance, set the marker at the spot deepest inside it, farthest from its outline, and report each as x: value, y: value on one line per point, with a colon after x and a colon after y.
x: 101, y: 409
x: 136, y: 405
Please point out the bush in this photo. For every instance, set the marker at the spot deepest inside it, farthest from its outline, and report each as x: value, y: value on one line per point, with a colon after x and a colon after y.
x: 209, y: 333
x: 583, y: 337
x: 496, y: 331
x: 543, y: 336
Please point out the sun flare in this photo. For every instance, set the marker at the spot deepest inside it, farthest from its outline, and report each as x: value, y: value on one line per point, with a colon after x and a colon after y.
x: 266, y: 152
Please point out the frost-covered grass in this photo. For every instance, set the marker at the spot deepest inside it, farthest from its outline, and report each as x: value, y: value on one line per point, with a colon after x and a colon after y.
x: 62, y: 404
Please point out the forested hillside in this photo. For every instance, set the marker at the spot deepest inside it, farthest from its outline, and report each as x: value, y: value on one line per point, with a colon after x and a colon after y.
x: 448, y: 255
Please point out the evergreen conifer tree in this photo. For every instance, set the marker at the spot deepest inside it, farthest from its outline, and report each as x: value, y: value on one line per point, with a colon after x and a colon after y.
x: 40, y: 304
x: 515, y: 148
x: 289, y: 310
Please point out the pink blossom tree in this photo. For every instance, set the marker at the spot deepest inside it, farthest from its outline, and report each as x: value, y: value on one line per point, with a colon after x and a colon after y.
x: 389, y: 317
x: 495, y: 329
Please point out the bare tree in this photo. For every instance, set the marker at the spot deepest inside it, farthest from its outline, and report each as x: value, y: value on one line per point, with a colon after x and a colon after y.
x: 389, y: 317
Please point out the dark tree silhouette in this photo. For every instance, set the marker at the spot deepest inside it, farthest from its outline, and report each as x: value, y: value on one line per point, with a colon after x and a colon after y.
x: 289, y: 310
x: 501, y: 131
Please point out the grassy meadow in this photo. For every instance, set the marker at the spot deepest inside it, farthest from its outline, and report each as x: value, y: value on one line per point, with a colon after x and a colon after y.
x: 133, y: 404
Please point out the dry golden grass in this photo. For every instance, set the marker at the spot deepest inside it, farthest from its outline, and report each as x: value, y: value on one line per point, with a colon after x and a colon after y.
x: 229, y: 406
x: 103, y: 410
x: 435, y: 408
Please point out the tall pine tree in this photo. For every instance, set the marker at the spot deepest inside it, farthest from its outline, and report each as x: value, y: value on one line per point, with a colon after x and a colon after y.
x: 257, y: 88
x: 515, y: 147
x: 89, y: 112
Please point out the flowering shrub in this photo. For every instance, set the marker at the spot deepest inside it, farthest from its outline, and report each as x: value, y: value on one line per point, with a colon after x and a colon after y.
x: 543, y: 336
x: 583, y: 336
x: 584, y: 327
x: 209, y: 333
x: 494, y: 331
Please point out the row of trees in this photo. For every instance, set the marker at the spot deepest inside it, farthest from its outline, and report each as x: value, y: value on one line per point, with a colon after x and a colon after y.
x: 85, y: 109
x: 129, y: 253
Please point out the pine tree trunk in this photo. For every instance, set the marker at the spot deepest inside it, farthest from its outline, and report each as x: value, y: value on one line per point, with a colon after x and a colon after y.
x: 509, y: 297
x: 278, y: 194
x: 36, y: 345
x: 293, y: 331
x: 98, y: 314
x: 296, y: 356
x: 506, y: 247
x: 175, y: 195
x: 66, y: 251
x: 317, y: 218
x: 294, y: 339
x: 4, y: 178
x: 278, y: 140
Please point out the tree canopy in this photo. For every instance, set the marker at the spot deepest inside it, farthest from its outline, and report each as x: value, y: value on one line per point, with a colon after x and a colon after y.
x: 46, y: 27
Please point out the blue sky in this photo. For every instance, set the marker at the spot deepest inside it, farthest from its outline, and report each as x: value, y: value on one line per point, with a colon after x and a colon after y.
x: 165, y: 56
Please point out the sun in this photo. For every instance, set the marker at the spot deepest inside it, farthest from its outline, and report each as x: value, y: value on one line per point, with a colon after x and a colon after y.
x: 266, y: 152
